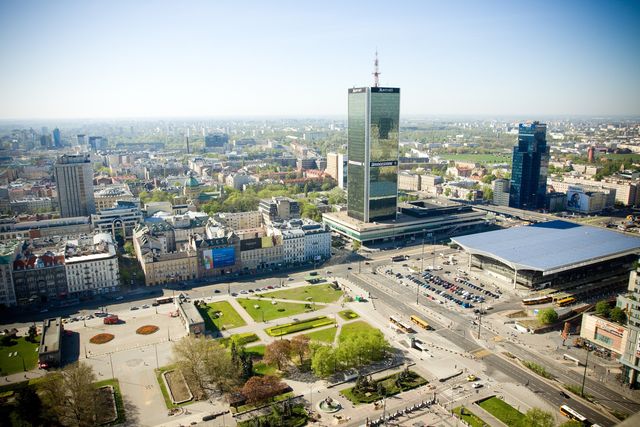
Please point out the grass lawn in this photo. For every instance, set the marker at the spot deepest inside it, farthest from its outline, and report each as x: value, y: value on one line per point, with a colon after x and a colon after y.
x: 272, y: 311
x: 28, y: 351
x: 323, y: 335
x: 348, y: 314
x: 228, y: 319
x: 303, y: 325
x: 262, y: 368
x: 469, y: 417
x: 118, y: 397
x: 318, y: 293
x: 163, y: 388
x: 503, y: 411
x: 354, y: 328
x: 256, y: 350
x: 388, y: 383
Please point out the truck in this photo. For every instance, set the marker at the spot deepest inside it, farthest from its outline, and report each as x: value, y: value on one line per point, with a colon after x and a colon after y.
x: 111, y: 319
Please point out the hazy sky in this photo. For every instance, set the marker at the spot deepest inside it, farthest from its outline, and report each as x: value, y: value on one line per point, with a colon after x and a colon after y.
x: 77, y: 59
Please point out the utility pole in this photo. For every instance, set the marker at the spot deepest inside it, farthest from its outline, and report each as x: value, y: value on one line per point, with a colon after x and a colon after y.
x: 156, y: 348
x: 111, y: 364
x: 479, y: 320
x: 422, y: 257
x: 584, y: 375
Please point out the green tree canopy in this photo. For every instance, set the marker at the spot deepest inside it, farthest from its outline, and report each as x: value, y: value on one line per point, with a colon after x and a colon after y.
x: 618, y: 315
x: 603, y: 308
x: 536, y: 417
x: 547, y: 316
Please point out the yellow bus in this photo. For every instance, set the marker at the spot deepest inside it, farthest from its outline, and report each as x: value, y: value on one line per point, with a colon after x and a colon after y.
x: 573, y: 414
x: 565, y: 301
x: 420, y: 322
x: 537, y: 300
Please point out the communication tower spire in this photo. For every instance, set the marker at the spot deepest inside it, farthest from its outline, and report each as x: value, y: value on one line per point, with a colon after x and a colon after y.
x: 376, y: 73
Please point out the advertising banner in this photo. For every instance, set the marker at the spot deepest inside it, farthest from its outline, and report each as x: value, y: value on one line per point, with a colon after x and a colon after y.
x: 224, y: 257
x: 577, y: 200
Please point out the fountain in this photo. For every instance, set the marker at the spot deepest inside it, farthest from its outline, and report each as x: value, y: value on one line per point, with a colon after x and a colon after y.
x: 329, y: 405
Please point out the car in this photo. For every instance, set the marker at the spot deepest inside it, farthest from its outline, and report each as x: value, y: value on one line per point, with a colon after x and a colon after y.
x: 471, y: 378
x: 348, y: 268
x: 234, y: 294
x: 90, y: 316
x: 119, y: 298
x: 133, y: 308
x: 244, y: 292
x: 269, y: 287
x: 291, y: 278
x: 565, y: 395
x: 217, y: 291
x: 155, y: 304
x: 476, y: 385
x: 145, y: 306
x: 251, y: 290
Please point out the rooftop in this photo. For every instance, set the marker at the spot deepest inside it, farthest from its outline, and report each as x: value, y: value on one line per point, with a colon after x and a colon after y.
x: 50, y: 340
x: 550, y: 247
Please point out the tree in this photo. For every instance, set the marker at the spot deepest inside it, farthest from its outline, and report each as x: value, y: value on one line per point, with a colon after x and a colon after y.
x: 300, y: 346
x: 536, y: 417
x: 447, y: 192
x: 323, y: 361
x: 205, y: 365
x: 603, y: 308
x: 29, y: 407
x: 572, y: 423
x: 547, y: 316
x: 356, y: 245
x: 259, y: 389
x: 71, y: 395
x: 128, y: 248
x: 33, y: 331
x: 618, y: 315
x: 277, y: 352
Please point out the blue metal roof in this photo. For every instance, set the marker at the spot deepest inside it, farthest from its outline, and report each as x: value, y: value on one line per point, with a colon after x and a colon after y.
x: 550, y: 247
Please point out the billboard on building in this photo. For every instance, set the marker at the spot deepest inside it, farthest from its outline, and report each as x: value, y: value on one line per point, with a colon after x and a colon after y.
x: 267, y: 242
x: 224, y: 257
x: 250, y: 244
x: 219, y: 257
x: 577, y: 200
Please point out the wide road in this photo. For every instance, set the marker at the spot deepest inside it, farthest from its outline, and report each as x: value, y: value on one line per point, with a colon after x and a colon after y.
x: 549, y: 393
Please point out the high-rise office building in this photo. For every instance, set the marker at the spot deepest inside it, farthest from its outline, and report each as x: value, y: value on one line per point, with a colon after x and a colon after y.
x: 373, y: 138
x: 57, y: 140
x: 74, y: 180
x: 529, y: 167
x: 216, y: 141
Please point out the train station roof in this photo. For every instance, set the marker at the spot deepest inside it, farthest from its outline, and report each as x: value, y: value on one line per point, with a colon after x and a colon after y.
x: 550, y: 247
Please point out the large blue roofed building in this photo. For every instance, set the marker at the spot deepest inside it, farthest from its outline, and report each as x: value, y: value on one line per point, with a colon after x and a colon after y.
x: 556, y: 254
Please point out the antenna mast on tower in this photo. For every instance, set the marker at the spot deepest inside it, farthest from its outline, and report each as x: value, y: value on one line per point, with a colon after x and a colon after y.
x: 376, y: 73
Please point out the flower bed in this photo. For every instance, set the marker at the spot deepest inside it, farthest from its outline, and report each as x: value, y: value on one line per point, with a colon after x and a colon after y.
x: 147, y: 330
x: 101, y: 338
x: 178, y: 388
x: 303, y: 325
x: 106, y: 402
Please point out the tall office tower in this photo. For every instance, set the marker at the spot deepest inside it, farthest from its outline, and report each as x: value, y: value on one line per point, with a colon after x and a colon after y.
x: 57, y: 141
x: 373, y: 136
x: 82, y: 140
x: 74, y: 179
x: 216, y: 141
x: 529, y: 167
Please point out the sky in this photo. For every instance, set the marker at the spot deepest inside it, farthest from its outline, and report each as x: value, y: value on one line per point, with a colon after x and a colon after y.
x: 134, y: 59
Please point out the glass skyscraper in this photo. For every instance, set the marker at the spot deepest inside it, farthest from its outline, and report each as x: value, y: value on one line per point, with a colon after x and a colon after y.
x: 373, y: 138
x: 529, y: 167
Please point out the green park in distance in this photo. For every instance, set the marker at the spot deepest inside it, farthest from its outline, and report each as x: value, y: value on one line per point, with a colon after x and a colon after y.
x: 324, y: 293
x: 268, y: 311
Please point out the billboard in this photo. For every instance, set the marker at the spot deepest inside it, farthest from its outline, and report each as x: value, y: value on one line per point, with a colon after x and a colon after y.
x: 224, y: 257
x: 267, y: 242
x: 577, y: 200
x: 218, y: 258
x: 250, y: 244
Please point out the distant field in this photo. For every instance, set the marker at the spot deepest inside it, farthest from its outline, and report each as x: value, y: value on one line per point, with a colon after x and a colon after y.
x: 632, y: 157
x: 478, y: 158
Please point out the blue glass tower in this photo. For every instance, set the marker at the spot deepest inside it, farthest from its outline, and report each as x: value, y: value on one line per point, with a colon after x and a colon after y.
x: 529, y: 167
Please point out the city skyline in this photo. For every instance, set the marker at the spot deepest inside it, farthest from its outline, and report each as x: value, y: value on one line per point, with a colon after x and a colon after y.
x: 159, y: 59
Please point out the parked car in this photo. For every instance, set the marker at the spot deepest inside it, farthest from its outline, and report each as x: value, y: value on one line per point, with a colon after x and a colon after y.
x: 145, y: 306
x: 133, y: 308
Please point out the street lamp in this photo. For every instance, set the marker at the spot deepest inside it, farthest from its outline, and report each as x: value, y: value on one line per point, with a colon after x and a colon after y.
x: 584, y: 375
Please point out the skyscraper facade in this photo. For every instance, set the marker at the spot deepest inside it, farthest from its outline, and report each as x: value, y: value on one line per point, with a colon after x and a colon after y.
x: 74, y: 180
x: 529, y: 167
x: 373, y: 138
x: 57, y: 140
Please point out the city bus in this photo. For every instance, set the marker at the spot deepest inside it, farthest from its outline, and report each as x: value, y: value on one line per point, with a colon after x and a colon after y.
x: 565, y: 301
x: 420, y: 322
x: 399, y: 258
x: 164, y: 300
x: 537, y: 300
x: 401, y: 325
x: 573, y: 414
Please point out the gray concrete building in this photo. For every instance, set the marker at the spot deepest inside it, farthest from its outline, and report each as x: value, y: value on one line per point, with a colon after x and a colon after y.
x: 74, y: 179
